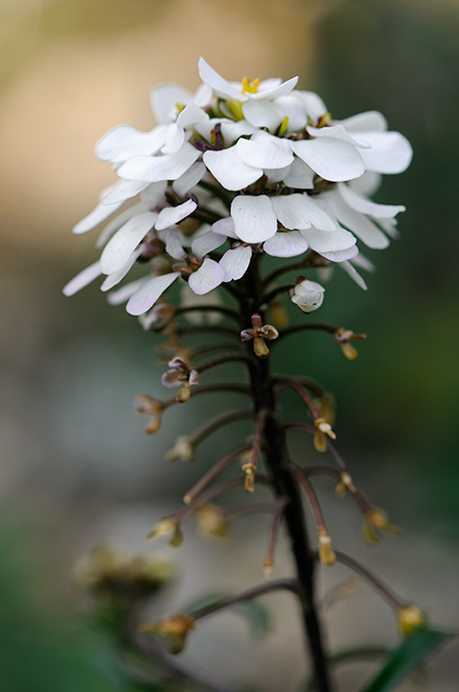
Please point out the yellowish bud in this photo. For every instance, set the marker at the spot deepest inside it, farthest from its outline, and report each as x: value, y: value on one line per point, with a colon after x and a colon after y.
x: 166, y: 526
x: 249, y: 484
x: 326, y: 553
x: 212, y: 521
x: 182, y: 449
x: 410, y: 618
x: 184, y: 393
x: 346, y: 484
x: 323, y: 429
x: 279, y: 314
x: 267, y: 570
x: 260, y: 347
x: 349, y: 350
x: 175, y: 628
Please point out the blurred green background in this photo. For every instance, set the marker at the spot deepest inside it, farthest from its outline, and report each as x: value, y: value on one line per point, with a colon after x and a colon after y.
x: 76, y: 467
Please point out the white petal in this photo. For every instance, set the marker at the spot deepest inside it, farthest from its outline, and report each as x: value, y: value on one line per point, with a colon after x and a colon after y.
x: 371, y: 121
x: 189, y: 179
x: 94, y: 218
x: 254, y: 218
x: 313, y: 104
x: 265, y: 151
x: 337, y: 132
x: 191, y: 115
x: 209, y: 275
x: 123, y: 191
x: 332, y: 159
x: 274, y: 91
x: 262, y: 113
x: 174, y: 244
x: 230, y: 170
x: 206, y: 242
x: 293, y: 108
x: 286, y: 244
x: 118, y: 221
x: 174, y: 139
x: 217, y: 82
x: 300, y: 175
x: 82, y: 279
x: 125, y: 141
x: 157, y: 168
x: 366, y: 206
x: 368, y: 184
x: 164, y: 100
x: 116, y: 277
x: 169, y: 216
x: 231, y: 130
x: 125, y: 292
x: 224, y: 227
x: 148, y: 293
x: 328, y: 242
x: 298, y: 211
x: 202, y: 95
x: 354, y: 274
x: 359, y: 224
x: 124, y: 242
x: 235, y: 262
x: 154, y: 193
x: 390, y: 152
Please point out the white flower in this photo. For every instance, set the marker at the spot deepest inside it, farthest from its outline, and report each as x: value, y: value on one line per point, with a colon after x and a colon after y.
x: 233, y: 169
x: 308, y: 295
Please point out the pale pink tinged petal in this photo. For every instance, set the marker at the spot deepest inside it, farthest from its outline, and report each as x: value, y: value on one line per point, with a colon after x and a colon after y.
x: 189, y: 179
x: 236, y: 262
x: 313, y: 104
x: 230, y: 170
x: 125, y: 141
x: 299, y: 211
x: 268, y: 91
x: 205, y: 243
x: 209, y: 275
x: 100, y: 213
x: 371, y: 121
x: 359, y: 224
x: 175, y: 137
x: 368, y: 184
x: 337, y: 132
x: 330, y: 241
x: 148, y: 293
x: 169, y: 216
x: 263, y: 113
x: 125, y: 292
x: 300, y: 175
x: 224, y: 227
x: 366, y: 206
x: 265, y: 151
x: 232, y: 130
x: 354, y: 274
x: 159, y: 168
x: 286, y: 244
x: 390, y: 152
x: 124, y: 190
x: 124, y: 242
x: 293, y: 108
x: 332, y: 159
x: 115, y: 278
x: 174, y: 245
x: 254, y: 218
x: 164, y: 100
x: 82, y: 279
x: 217, y: 82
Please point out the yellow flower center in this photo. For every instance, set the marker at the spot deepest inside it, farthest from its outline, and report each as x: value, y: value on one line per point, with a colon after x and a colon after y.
x: 250, y: 87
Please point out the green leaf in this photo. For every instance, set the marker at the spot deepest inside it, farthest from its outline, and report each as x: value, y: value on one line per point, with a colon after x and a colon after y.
x: 403, y: 660
x: 256, y: 615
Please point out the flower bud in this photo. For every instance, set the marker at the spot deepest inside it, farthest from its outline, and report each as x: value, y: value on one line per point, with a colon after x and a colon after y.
x: 212, y: 521
x: 175, y: 628
x: 151, y: 407
x: 183, y: 449
x: 326, y: 553
x: 323, y: 429
x: 345, y: 484
x: 376, y: 520
x: 166, y: 526
x: 308, y: 295
x: 410, y: 618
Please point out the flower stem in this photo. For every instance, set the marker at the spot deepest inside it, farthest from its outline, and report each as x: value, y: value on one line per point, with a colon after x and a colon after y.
x: 284, y: 483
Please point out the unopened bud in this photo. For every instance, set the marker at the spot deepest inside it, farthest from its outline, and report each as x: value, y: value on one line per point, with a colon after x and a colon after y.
x: 212, y: 521
x: 410, y: 618
x: 326, y: 553
x: 267, y: 569
x: 167, y: 526
x: 308, y: 295
x: 343, y: 337
x: 175, y: 628
x: 345, y: 484
x: 323, y: 429
x: 183, y: 449
x: 249, y: 484
x: 376, y: 520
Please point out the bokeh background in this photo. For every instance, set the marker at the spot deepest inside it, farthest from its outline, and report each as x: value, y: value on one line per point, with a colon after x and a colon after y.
x: 76, y: 467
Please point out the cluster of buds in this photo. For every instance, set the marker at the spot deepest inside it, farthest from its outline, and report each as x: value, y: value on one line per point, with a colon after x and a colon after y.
x: 259, y: 332
x: 180, y: 375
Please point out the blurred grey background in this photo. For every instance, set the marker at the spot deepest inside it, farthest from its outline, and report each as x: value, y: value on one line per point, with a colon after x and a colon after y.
x: 76, y: 466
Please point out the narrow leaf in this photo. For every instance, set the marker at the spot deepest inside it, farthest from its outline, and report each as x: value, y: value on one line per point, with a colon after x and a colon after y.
x: 413, y: 651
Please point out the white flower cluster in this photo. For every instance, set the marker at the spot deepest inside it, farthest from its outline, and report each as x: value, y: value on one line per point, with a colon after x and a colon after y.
x: 244, y: 167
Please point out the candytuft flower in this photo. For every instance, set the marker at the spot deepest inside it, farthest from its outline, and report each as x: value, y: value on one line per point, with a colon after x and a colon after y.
x: 233, y: 169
